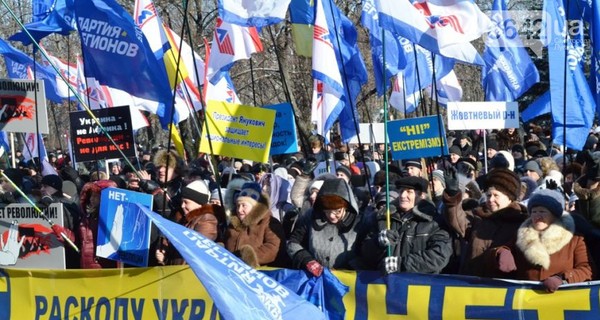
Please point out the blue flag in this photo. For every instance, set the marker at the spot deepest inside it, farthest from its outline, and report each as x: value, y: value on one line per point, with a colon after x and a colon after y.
x: 60, y: 19
x: 394, y: 58
x: 508, y: 71
x: 354, y: 71
x: 20, y: 66
x: 538, y: 107
x: 238, y: 290
x: 581, y: 105
x: 418, y: 73
x: 40, y: 9
x: 118, y: 55
x: 595, y: 65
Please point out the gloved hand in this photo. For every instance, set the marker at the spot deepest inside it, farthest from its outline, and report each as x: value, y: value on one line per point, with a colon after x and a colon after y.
x: 506, y: 261
x: 451, y: 179
x: 391, y: 265
x: 58, y: 229
x: 388, y: 237
x: 309, y: 166
x: 45, y: 202
x: 552, y: 283
x: 149, y: 186
x: 315, y: 268
x: 551, y: 184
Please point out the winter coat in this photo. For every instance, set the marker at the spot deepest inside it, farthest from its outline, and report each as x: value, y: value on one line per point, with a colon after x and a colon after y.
x: 206, y: 220
x: 506, y: 140
x: 259, y: 239
x: 332, y: 245
x: 423, y: 246
x: 480, y: 232
x: 589, y: 201
x: 554, y: 251
x: 87, y: 234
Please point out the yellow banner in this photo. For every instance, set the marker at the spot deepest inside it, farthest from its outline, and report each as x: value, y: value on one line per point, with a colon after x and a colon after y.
x: 175, y: 293
x: 238, y: 131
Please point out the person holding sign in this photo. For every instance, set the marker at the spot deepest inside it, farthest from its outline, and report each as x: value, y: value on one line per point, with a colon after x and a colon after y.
x: 86, y: 233
x: 207, y: 219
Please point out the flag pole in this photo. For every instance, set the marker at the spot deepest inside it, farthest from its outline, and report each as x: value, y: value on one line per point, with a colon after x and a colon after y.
x: 38, y: 210
x: 71, y: 89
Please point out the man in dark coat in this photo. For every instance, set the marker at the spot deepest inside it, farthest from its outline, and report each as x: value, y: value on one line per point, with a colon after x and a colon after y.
x: 415, y: 240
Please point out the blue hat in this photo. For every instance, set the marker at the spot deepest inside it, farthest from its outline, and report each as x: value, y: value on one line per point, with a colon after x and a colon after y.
x: 550, y: 199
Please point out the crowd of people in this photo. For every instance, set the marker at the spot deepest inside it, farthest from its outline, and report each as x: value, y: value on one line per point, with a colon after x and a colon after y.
x: 503, y: 204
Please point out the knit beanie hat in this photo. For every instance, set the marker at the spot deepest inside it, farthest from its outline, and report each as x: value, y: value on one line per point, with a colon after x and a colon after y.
x: 251, y: 192
x: 504, y: 181
x: 455, y: 149
x: 439, y: 175
x: 532, y: 165
x: 317, y: 184
x: 492, y: 144
x: 550, y: 199
x: 54, y: 181
x: 15, y: 175
x: 345, y: 170
x: 196, y: 191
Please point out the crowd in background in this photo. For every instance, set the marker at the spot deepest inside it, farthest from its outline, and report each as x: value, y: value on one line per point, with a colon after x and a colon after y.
x: 504, y: 204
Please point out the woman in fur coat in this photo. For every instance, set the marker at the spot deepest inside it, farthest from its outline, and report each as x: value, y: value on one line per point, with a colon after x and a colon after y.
x: 253, y: 234
x: 547, y: 249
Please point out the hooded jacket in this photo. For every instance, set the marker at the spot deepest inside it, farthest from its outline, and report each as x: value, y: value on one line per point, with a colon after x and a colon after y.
x: 554, y: 251
x: 259, y: 239
x: 332, y: 245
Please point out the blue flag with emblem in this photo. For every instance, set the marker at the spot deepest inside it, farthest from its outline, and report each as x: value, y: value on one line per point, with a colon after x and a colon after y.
x: 117, y: 54
x: 394, y: 58
x: 21, y: 66
x: 573, y: 90
x: 595, y: 65
x: 508, y: 71
x: 59, y: 19
x: 238, y: 290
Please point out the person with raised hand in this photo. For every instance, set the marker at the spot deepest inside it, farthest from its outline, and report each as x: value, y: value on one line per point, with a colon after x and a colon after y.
x: 483, y: 227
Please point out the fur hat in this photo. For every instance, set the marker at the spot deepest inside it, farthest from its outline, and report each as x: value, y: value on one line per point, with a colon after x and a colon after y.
x: 164, y: 157
x: 196, y: 191
x: 416, y: 183
x: 330, y: 202
x: 54, y: 181
x: 550, y: 199
x: 504, y: 181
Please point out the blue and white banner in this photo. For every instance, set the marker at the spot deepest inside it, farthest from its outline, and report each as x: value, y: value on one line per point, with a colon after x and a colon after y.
x: 284, y: 138
x: 238, y: 290
x: 123, y: 230
x: 475, y: 115
x: 253, y: 13
x: 417, y: 137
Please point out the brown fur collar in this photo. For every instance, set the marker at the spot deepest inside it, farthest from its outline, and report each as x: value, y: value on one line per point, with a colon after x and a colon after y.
x: 258, y: 213
x: 583, y: 193
x: 537, y: 246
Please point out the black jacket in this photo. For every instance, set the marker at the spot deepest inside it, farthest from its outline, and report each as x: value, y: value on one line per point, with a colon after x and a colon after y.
x: 423, y: 245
